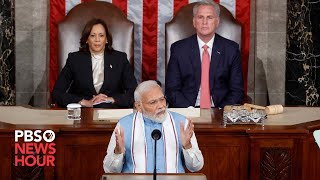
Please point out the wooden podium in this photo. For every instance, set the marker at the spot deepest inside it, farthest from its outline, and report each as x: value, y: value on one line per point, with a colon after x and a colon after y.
x: 283, y: 149
x: 149, y: 176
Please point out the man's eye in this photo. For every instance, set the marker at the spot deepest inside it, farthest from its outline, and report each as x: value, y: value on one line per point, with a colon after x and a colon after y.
x: 152, y: 102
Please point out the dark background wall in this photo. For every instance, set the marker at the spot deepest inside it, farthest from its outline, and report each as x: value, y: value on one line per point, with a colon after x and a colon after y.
x: 303, y: 53
x: 7, y: 53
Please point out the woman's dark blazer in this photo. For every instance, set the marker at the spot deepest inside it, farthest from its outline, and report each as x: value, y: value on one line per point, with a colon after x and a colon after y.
x: 75, y: 81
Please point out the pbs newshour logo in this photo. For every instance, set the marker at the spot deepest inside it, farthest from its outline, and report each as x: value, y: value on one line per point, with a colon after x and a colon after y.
x: 34, y: 147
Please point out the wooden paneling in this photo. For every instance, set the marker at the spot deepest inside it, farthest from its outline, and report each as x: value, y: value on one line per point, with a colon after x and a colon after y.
x: 5, y: 155
x: 313, y: 159
x: 226, y: 157
x: 224, y: 162
x: 81, y: 156
x: 276, y: 157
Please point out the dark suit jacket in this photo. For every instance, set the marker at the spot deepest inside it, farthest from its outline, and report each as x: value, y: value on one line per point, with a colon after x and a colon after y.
x: 183, y: 75
x: 119, y: 81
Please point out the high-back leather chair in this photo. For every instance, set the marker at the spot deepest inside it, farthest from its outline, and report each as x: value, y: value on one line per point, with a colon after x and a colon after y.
x: 70, y: 29
x: 181, y: 27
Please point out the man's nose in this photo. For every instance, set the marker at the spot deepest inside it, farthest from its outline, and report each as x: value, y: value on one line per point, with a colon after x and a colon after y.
x: 205, y: 21
x: 160, y: 105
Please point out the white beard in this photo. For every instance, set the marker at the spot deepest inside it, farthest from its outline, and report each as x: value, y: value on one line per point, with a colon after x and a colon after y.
x: 158, y: 118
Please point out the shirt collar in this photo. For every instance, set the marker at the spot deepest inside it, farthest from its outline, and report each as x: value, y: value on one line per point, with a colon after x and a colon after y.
x: 209, y: 44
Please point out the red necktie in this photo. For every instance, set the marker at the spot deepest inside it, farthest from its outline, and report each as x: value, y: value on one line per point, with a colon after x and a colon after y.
x: 205, y: 99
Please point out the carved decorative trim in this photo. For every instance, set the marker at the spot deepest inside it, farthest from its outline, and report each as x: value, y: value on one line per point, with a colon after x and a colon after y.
x: 275, y: 164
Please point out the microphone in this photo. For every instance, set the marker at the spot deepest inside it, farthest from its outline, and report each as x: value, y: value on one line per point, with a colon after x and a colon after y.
x: 156, y: 135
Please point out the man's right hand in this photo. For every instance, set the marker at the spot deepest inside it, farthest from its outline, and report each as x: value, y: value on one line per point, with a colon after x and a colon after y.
x: 119, y: 141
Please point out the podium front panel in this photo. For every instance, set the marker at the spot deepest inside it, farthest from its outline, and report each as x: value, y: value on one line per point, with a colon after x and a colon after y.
x: 186, y: 176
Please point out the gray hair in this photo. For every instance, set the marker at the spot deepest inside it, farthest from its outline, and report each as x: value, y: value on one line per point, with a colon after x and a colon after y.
x: 206, y: 3
x: 144, y: 87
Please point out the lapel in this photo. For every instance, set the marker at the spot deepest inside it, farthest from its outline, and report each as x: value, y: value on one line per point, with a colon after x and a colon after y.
x: 88, y: 69
x: 195, y: 60
x: 216, y: 58
x: 109, y: 64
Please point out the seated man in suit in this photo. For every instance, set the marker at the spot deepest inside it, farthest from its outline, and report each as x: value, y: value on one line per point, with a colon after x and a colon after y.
x: 204, y: 69
x: 131, y: 147
x: 96, y: 74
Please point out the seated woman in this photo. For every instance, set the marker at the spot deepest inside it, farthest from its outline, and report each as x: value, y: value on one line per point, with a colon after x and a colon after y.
x: 96, y: 75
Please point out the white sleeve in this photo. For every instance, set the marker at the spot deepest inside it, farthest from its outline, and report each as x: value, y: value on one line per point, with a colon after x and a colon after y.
x: 113, y: 163
x: 193, y: 156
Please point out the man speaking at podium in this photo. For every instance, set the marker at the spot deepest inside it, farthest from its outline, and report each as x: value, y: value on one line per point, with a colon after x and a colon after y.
x: 131, y: 147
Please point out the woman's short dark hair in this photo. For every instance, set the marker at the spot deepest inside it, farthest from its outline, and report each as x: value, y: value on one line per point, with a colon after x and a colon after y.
x: 86, y: 32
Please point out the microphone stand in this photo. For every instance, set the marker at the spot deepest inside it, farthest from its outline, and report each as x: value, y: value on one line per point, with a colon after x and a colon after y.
x: 155, y: 160
x: 156, y: 135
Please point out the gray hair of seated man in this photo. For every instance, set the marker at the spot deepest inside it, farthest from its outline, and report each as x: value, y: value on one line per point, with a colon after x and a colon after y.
x: 206, y: 3
x: 143, y: 87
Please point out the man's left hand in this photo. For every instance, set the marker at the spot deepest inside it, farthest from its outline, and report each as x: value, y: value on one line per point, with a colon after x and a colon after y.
x: 186, y: 134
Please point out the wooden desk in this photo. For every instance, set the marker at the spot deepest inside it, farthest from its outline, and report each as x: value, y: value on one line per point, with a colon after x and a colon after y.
x: 232, y: 152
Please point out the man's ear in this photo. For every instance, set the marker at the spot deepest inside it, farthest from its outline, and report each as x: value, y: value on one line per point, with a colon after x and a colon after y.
x: 138, y: 106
